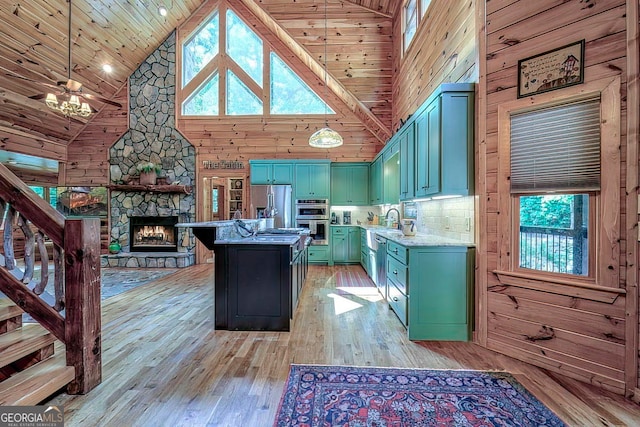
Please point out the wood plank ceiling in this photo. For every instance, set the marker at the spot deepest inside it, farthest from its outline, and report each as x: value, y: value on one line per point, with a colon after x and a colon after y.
x: 34, y: 40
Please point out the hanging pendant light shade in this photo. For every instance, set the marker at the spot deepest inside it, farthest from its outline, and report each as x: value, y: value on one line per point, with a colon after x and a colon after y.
x: 325, y: 137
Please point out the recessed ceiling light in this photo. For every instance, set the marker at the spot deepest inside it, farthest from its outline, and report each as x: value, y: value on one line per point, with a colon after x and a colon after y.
x: 107, y: 68
x: 162, y: 11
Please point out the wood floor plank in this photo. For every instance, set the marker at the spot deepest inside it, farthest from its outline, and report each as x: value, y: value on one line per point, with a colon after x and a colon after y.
x: 164, y: 365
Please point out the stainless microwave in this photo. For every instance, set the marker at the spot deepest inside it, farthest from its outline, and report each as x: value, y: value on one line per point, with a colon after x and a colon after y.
x: 312, y: 209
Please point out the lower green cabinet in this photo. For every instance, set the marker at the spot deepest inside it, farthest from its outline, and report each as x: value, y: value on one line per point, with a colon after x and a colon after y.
x: 318, y: 254
x: 345, y: 245
x: 430, y: 288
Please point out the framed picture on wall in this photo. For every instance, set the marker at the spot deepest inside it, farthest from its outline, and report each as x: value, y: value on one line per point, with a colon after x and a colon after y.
x: 551, y: 70
x: 410, y: 210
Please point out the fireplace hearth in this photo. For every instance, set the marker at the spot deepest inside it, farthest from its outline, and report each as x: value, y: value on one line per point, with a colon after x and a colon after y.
x: 153, y: 233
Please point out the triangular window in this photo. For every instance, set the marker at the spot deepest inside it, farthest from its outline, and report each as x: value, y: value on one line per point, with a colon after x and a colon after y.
x: 290, y: 95
x: 239, y: 55
x: 240, y: 99
x: 204, y: 101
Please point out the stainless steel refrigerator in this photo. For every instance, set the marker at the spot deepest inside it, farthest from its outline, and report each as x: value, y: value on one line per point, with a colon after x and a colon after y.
x: 272, y: 201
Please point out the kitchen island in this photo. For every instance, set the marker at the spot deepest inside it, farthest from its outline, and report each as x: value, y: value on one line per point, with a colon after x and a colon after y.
x: 258, y: 277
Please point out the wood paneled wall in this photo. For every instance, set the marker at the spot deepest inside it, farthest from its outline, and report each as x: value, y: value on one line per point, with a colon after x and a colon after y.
x: 580, y: 335
x: 444, y: 50
x: 88, y: 153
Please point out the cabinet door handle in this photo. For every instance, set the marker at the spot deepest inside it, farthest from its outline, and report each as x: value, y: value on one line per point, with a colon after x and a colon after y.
x: 395, y: 251
x: 395, y: 299
x: 395, y: 272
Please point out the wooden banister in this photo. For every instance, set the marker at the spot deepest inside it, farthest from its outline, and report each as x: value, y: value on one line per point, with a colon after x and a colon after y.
x: 44, y: 216
x: 77, y: 241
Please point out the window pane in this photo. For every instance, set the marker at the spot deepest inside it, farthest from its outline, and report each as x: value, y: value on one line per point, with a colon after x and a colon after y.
x: 38, y: 190
x: 553, y: 233
x: 205, y: 101
x: 410, y: 22
x: 214, y: 201
x: 240, y: 99
x: 53, y: 196
x: 424, y: 5
x: 200, y: 49
x: 290, y: 95
x: 244, y: 46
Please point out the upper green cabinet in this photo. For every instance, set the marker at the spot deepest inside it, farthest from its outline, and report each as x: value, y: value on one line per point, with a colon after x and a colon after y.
x: 407, y: 159
x: 312, y: 180
x: 350, y: 184
x: 375, y: 182
x: 391, y: 178
x: 271, y: 172
x: 427, y: 150
x: 436, y: 145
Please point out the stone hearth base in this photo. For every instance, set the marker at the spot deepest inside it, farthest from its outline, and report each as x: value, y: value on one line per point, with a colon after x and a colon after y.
x: 148, y: 259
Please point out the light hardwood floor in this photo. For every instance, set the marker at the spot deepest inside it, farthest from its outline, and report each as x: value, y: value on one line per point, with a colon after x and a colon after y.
x: 164, y: 365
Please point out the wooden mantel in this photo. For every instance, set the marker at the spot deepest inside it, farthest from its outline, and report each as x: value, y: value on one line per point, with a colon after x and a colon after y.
x: 185, y: 189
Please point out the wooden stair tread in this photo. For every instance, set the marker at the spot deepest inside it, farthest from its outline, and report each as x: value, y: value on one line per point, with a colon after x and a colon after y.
x: 9, y: 309
x: 37, y: 383
x: 23, y: 341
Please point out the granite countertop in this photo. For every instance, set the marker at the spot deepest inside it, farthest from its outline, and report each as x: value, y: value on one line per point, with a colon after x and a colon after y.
x: 208, y: 224
x: 420, y: 239
x: 285, y: 239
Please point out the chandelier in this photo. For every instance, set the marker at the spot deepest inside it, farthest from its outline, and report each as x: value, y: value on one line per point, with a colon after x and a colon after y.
x: 69, y: 107
x: 325, y: 137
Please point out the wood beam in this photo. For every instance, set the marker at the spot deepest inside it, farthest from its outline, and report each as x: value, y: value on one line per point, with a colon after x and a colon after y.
x: 368, y: 119
x: 31, y: 143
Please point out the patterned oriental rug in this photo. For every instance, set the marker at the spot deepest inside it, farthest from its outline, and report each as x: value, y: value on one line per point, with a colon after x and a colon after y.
x: 331, y: 396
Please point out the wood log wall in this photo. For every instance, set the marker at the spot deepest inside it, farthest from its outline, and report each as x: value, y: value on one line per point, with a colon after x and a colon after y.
x: 555, y: 327
x: 444, y: 50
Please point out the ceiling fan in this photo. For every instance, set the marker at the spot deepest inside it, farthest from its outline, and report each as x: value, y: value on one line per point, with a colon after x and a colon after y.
x: 74, y: 101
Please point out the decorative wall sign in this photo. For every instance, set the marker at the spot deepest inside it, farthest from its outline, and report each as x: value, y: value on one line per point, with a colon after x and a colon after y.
x: 222, y: 164
x: 551, y: 70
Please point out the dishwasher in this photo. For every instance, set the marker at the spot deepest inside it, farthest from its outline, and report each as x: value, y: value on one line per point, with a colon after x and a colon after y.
x: 380, y: 278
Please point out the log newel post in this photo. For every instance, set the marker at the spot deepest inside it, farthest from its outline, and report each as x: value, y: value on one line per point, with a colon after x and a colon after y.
x: 83, y: 329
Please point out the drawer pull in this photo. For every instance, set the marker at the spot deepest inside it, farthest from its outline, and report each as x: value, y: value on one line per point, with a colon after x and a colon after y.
x: 395, y: 299
x: 395, y: 272
x: 395, y: 250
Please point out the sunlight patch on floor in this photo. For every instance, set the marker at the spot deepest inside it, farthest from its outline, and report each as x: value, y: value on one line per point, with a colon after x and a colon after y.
x: 367, y: 293
x: 342, y: 305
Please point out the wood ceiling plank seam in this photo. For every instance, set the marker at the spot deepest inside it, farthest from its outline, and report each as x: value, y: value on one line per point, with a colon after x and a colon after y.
x: 377, y: 128
x: 514, y: 13
x: 368, y: 7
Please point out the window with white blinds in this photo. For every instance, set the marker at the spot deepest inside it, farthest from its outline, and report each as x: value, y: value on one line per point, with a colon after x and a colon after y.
x: 556, y: 148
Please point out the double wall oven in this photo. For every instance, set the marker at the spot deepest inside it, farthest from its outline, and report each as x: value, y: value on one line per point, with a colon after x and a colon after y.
x: 313, y: 214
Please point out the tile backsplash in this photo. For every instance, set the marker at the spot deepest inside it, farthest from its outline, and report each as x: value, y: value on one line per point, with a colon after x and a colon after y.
x: 453, y: 218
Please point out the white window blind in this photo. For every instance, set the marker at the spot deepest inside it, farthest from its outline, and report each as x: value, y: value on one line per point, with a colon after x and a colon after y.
x: 556, y: 148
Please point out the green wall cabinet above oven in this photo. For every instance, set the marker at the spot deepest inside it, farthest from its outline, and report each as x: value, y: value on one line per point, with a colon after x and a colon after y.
x: 349, y: 184
x: 271, y: 172
x: 375, y: 182
x: 312, y: 180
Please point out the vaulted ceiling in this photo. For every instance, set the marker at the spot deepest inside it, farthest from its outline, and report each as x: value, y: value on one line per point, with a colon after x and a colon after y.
x: 34, y: 52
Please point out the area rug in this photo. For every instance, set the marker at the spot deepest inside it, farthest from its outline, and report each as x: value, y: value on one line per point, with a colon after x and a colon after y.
x: 331, y: 396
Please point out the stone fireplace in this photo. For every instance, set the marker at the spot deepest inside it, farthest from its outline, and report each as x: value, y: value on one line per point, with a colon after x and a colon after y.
x: 152, y: 137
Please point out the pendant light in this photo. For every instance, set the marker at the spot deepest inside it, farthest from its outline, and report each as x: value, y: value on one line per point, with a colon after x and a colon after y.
x: 325, y: 137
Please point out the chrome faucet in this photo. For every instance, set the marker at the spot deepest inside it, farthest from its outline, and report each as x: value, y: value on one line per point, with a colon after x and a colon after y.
x: 399, y: 226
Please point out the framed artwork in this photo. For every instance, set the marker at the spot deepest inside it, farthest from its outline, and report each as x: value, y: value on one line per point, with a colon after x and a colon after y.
x: 82, y: 201
x: 410, y: 210
x: 551, y: 70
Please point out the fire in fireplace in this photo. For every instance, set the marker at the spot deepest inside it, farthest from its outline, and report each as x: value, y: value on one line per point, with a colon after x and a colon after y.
x: 153, y: 233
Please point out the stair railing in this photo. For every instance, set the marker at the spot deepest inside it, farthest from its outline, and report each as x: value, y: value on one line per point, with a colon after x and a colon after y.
x: 76, y: 255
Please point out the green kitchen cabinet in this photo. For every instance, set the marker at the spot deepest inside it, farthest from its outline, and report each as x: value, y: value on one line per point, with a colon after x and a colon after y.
x: 431, y: 290
x: 427, y: 150
x: 318, y: 254
x: 391, y: 179
x: 345, y: 245
x: 270, y: 172
x: 407, y: 159
x: 375, y: 182
x: 312, y: 180
x: 350, y: 184
x: 444, y: 142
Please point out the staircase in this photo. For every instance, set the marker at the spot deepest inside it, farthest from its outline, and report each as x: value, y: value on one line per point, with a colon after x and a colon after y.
x: 30, y: 370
